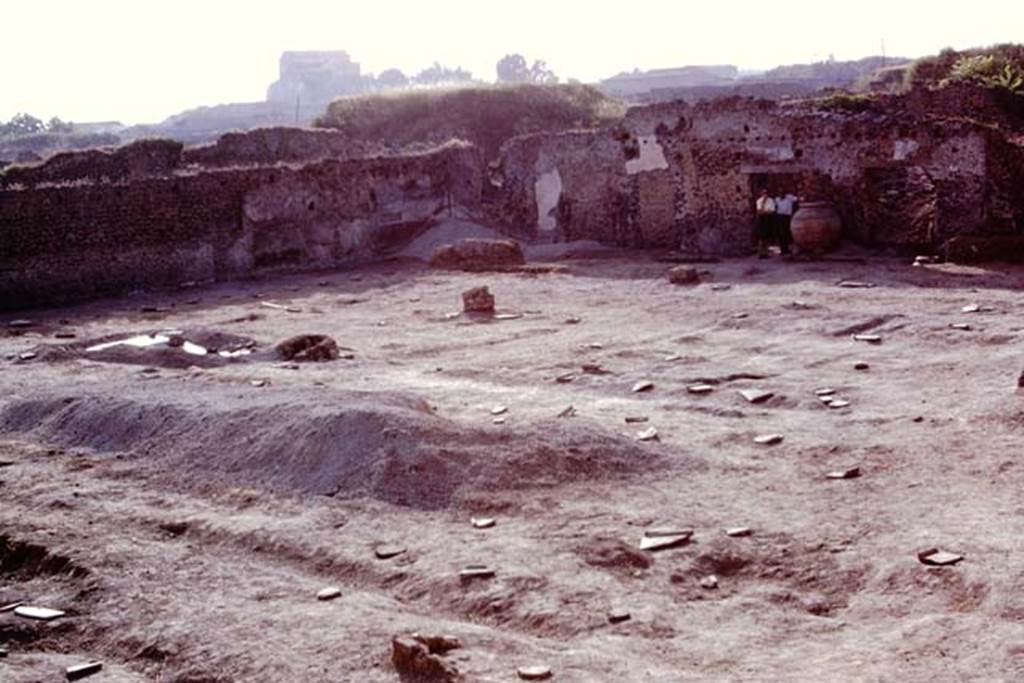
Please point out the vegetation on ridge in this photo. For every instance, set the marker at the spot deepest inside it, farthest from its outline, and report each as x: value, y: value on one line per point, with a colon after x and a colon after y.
x: 484, y: 115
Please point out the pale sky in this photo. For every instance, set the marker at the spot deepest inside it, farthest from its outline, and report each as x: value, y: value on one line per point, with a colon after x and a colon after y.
x: 139, y: 61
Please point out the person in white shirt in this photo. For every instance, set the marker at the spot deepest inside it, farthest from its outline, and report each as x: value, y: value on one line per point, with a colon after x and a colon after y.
x: 784, y: 208
x: 765, y: 218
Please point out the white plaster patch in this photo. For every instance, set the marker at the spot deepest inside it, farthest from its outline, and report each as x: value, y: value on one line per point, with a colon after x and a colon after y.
x: 548, y: 189
x: 904, y: 148
x: 652, y: 156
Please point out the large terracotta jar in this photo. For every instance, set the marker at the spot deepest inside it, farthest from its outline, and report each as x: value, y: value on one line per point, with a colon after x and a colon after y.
x: 816, y: 227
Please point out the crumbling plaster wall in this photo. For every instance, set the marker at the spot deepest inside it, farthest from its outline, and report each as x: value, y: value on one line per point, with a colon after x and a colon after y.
x: 61, y: 244
x: 674, y: 175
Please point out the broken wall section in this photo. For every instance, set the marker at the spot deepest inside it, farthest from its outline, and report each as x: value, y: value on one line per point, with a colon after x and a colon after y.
x: 63, y: 244
x: 680, y: 176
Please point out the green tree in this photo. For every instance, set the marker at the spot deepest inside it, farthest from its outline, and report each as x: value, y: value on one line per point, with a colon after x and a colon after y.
x: 22, y: 124
x: 392, y: 78
x: 56, y: 125
x: 513, y: 69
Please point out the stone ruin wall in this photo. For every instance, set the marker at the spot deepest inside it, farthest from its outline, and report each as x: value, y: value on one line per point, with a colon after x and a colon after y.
x: 151, y: 213
x: 68, y: 242
x: 679, y: 176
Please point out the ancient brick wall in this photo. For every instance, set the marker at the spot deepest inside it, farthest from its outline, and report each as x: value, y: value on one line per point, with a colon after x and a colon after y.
x: 60, y: 244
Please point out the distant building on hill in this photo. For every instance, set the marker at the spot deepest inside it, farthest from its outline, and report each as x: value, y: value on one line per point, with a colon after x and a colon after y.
x: 308, y: 81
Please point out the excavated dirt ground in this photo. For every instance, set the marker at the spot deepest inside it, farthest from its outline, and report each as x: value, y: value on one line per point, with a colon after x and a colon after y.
x: 185, y: 513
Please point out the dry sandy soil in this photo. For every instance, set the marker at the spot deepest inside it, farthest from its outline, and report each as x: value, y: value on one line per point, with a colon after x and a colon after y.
x: 185, y: 512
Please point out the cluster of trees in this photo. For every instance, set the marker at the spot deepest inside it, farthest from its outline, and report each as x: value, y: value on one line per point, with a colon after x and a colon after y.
x: 436, y: 74
x: 26, y: 124
x: 515, y: 69
x: 511, y: 69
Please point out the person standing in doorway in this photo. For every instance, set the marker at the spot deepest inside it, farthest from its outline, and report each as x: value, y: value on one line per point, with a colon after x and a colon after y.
x: 784, y: 208
x: 765, y: 218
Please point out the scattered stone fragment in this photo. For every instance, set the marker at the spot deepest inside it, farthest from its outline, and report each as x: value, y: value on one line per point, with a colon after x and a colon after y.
x: 636, y: 419
x: 648, y: 435
x: 28, y: 355
x: 508, y: 316
x: 617, y: 616
x: 938, y: 558
x: 258, y: 383
x: 65, y: 335
x: 593, y: 369
x: 568, y: 412
x: 20, y: 323
x: 709, y: 582
x: 566, y: 378
x: 848, y: 473
x: 3, y: 652
x: 271, y: 304
x: 498, y: 421
x: 11, y: 606
x: 478, y: 300
x: 673, y: 358
x: 700, y: 389
x: 961, y: 326
x: 855, y: 284
x: 482, y: 522
x: 816, y: 604
x: 741, y: 316
x: 1020, y: 380
x: 308, y: 348
x: 739, y: 531
x: 79, y: 671
x: 861, y: 365
x: 534, y: 673
x: 386, y: 552
x: 594, y: 346
x: 721, y: 287
x: 976, y: 308
x: 837, y: 403
x: 573, y: 321
x: 661, y: 539
x: 38, y: 613
x: 768, y: 439
x: 293, y: 309
x: 756, y: 395
x: 640, y: 387
x: 826, y: 391
x: 476, y: 571
x: 827, y: 400
x: 329, y: 593
x: 499, y: 410
x: 802, y: 305
x: 413, y: 660
x: 683, y: 275
x: 869, y: 338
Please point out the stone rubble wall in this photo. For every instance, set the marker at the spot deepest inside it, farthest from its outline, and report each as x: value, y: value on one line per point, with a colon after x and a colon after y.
x: 61, y: 244
x: 276, y: 144
x: 679, y: 176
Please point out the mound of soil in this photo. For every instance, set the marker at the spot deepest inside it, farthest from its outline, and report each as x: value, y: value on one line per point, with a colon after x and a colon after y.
x: 385, y: 445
